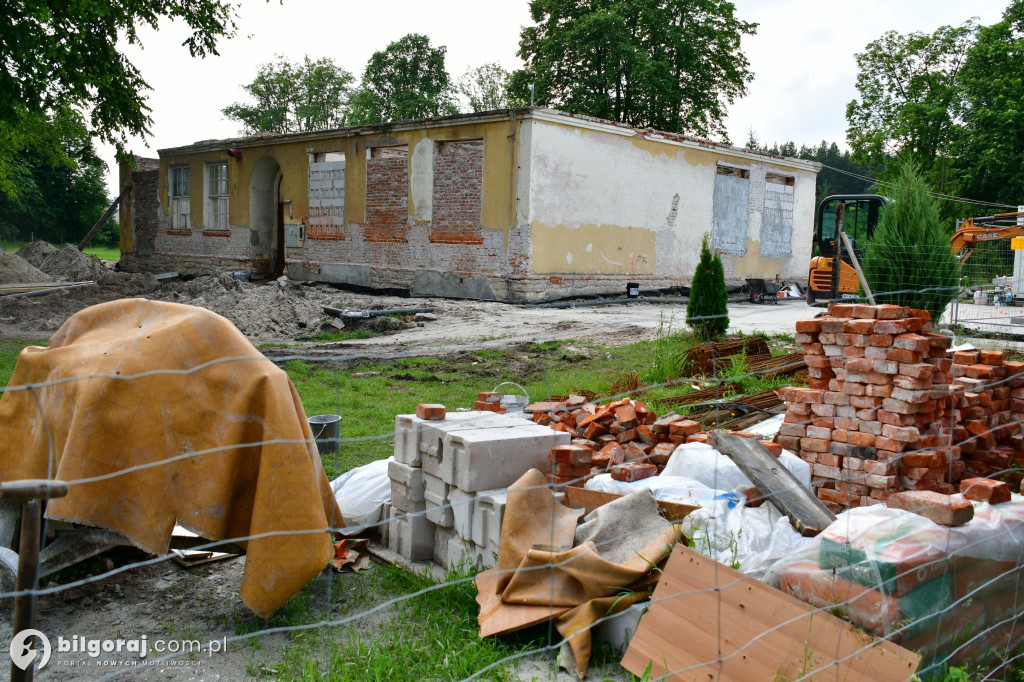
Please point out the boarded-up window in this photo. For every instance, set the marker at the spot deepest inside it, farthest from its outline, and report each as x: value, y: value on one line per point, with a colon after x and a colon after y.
x: 458, y: 192
x: 777, y: 222
x: 387, y: 194
x: 730, y: 214
x: 327, y: 198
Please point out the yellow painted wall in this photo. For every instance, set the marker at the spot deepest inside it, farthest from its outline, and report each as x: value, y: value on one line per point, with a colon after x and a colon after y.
x: 293, y: 159
x: 605, y: 249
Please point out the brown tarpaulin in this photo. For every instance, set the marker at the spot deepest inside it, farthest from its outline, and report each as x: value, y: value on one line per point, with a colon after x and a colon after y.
x: 133, y: 382
x: 541, y: 575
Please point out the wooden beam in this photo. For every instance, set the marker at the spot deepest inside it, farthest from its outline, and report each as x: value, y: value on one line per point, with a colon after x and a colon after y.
x: 808, y: 515
x: 103, y: 219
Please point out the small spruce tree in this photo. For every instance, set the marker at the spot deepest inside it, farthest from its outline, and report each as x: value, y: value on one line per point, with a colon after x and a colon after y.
x: 707, y: 312
x: 908, y: 260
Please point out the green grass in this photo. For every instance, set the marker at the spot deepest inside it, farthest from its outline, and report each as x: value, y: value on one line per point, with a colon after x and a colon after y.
x: 431, y: 636
x: 100, y: 252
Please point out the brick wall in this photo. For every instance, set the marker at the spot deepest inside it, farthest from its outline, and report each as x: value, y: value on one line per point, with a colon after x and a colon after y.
x: 387, y: 195
x: 458, y: 192
x: 145, y: 207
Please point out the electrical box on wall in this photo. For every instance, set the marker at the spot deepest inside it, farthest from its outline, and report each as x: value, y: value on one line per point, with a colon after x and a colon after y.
x: 294, y: 234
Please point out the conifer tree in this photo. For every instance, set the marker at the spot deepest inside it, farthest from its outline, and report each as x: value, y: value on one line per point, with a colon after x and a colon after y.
x: 707, y: 311
x: 908, y: 260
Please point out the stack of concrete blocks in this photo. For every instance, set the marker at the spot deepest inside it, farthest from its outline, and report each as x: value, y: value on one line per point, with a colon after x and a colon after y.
x: 449, y: 479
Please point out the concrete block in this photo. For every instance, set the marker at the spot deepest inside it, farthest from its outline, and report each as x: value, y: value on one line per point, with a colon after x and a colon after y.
x: 442, y: 537
x: 617, y: 631
x: 435, y: 493
x: 488, y: 512
x: 411, y: 535
x: 428, y: 283
x: 494, y: 457
x: 464, y: 554
x: 407, y: 488
x: 414, y: 436
x: 462, y: 512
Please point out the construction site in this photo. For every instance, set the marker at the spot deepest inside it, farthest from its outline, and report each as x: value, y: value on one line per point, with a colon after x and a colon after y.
x: 262, y: 479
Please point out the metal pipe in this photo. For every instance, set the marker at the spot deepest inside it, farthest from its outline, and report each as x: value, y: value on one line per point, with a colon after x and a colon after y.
x: 338, y: 312
x: 40, y: 292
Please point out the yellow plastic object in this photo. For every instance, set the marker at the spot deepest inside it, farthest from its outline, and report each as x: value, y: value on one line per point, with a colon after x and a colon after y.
x: 126, y: 392
x: 1017, y: 244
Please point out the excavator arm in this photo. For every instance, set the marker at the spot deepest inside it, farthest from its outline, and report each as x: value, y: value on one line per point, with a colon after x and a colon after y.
x: 973, y: 231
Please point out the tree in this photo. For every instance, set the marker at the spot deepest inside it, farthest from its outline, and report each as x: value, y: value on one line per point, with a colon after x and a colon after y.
x: 406, y: 80
x: 668, y: 64
x: 64, y: 55
x: 58, y: 202
x: 292, y: 98
x: 907, y: 260
x: 909, y: 94
x: 991, y: 150
x: 707, y: 311
x: 485, y: 87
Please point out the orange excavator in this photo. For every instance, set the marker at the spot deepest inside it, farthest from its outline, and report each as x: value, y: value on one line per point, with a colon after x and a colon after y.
x: 859, y: 214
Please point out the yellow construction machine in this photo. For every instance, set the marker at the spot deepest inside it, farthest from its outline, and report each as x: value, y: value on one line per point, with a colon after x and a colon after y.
x: 858, y: 214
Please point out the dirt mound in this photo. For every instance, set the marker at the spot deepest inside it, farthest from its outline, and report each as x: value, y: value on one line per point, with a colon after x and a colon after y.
x: 37, y: 252
x: 260, y: 311
x: 16, y: 270
x: 71, y: 265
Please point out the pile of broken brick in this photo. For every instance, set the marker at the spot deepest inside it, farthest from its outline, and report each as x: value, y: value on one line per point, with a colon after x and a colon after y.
x: 890, y: 408
x: 623, y: 438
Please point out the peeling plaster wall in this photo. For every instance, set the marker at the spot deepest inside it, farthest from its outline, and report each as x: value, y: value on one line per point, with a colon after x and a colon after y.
x: 533, y: 203
x: 603, y: 203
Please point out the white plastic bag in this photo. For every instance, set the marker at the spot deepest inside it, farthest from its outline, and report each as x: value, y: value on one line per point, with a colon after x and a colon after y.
x: 707, y: 465
x: 361, y: 493
x: 749, y: 539
x: 677, y: 489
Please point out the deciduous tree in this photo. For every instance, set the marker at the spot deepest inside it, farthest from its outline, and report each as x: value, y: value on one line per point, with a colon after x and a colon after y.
x: 669, y: 64
x: 909, y: 95
x: 990, y: 159
x: 406, y: 80
x: 66, y: 55
x: 291, y: 98
x: 485, y: 87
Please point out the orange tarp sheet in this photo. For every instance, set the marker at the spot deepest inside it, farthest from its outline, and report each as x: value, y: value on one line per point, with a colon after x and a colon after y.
x: 144, y: 384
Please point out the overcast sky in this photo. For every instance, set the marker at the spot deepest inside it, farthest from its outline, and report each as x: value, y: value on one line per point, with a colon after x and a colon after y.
x: 801, y: 57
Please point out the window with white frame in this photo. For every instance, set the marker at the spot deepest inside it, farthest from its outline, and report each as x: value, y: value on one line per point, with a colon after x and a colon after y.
x: 217, y: 196
x: 180, y: 207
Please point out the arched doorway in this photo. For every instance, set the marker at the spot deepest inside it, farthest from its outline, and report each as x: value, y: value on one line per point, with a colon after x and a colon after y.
x: 265, y: 217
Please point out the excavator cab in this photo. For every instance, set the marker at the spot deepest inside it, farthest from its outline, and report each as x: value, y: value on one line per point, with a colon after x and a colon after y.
x: 860, y: 217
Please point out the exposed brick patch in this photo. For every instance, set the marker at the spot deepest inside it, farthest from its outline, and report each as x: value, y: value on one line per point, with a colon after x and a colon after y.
x: 216, y: 233
x: 180, y: 233
x: 458, y: 192
x: 387, y: 194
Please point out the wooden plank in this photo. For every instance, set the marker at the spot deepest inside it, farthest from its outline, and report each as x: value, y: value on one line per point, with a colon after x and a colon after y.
x: 708, y: 622
x: 103, y: 218
x: 808, y: 515
x: 590, y: 500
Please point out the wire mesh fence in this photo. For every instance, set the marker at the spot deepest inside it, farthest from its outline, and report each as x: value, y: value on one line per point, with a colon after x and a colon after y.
x: 219, y: 443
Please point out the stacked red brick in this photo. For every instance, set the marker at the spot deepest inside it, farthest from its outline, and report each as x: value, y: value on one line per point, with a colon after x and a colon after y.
x: 878, y: 414
x: 991, y: 410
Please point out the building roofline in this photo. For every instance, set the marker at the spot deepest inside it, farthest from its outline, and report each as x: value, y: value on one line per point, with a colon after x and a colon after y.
x: 536, y: 113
